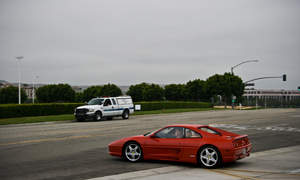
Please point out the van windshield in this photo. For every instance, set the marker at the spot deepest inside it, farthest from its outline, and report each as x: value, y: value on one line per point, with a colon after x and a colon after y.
x: 95, y: 102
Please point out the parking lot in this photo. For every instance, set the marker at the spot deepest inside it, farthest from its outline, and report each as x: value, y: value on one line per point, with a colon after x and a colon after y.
x: 78, y: 150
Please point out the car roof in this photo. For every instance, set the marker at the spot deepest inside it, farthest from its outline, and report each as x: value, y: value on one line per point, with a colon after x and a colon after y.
x: 187, y: 125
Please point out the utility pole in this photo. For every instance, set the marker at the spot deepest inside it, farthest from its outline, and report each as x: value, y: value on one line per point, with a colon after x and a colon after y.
x: 19, y: 72
x: 33, y: 88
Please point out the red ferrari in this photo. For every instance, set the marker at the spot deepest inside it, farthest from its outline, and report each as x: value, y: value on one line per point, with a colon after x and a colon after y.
x: 192, y: 143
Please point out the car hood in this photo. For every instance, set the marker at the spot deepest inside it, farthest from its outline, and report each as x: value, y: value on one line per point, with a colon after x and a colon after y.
x: 88, y: 107
x: 120, y: 142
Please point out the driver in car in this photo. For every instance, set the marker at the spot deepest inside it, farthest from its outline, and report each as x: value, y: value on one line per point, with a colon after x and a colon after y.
x: 178, y: 133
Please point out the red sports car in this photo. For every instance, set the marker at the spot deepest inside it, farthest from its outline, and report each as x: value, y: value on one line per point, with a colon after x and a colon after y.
x: 192, y: 143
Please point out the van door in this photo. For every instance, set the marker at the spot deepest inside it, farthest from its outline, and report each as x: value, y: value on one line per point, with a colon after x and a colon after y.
x: 116, y: 108
x: 108, y: 108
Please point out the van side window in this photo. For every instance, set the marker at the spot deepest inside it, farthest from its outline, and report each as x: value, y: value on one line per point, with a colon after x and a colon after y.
x: 107, y: 102
x: 114, y: 102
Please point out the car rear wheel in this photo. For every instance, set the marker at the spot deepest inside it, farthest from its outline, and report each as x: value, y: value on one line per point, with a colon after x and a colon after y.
x: 98, y: 116
x: 125, y: 114
x: 209, y: 157
x: 133, y: 152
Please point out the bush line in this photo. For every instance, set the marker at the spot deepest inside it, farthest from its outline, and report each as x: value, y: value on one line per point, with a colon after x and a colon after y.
x: 44, y: 109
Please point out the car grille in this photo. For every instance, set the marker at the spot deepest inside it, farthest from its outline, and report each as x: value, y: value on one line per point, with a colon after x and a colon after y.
x: 81, y: 111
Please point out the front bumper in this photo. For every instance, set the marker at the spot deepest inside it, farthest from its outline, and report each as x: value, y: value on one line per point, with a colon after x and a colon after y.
x: 88, y: 115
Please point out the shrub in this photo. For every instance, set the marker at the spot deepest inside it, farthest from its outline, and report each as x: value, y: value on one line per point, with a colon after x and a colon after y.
x: 16, y: 110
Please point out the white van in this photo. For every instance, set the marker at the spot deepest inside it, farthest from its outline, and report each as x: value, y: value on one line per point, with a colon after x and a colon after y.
x: 98, y: 108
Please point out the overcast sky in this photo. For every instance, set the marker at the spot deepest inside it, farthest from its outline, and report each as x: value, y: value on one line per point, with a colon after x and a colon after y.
x: 88, y: 42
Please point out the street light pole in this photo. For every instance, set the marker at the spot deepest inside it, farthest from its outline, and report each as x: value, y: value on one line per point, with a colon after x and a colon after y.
x: 33, y: 88
x: 19, y: 69
x: 248, y: 61
x: 241, y: 64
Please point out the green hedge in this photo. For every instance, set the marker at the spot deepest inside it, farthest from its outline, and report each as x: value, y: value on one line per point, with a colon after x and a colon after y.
x: 158, y: 105
x: 16, y: 110
x: 44, y: 109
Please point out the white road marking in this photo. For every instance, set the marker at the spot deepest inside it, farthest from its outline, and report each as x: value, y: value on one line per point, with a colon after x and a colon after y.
x: 247, y: 127
x: 294, y: 171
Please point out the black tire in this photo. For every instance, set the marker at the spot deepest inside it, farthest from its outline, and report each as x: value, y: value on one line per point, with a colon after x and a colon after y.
x: 80, y: 119
x: 209, y: 157
x: 98, y: 116
x: 125, y: 114
x: 132, y: 152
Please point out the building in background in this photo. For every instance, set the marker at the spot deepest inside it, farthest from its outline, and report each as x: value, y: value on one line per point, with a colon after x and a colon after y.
x: 272, y: 98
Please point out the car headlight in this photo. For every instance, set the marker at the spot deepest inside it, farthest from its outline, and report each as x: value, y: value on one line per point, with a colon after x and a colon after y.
x: 91, y: 110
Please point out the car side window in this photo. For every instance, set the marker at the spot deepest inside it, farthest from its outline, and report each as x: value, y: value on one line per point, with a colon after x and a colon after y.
x: 171, y: 132
x: 191, y: 134
x: 107, y: 102
x: 209, y: 130
x: 114, y: 102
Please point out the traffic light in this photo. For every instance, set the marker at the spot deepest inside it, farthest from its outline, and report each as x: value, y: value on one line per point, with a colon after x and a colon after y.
x: 298, y: 88
x: 284, y: 77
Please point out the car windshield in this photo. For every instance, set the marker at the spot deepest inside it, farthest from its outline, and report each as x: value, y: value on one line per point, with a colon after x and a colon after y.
x: 149, y: 133
x: 95, y: 101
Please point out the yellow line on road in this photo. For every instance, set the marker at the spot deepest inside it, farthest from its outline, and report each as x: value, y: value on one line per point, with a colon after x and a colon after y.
x: 266, y: 172
x: 233, y: 175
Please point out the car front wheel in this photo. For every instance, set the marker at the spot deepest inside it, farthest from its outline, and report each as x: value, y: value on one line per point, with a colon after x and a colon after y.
x: 209, y: 157
x: 98, y: 116
x: 133, y: 152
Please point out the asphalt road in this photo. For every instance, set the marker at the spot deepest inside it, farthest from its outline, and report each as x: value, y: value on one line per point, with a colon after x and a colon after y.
x: 78, y: 150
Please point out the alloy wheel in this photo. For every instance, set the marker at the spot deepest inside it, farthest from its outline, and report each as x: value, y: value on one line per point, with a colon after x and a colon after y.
x: 133, y: 152
x: 209, y: 157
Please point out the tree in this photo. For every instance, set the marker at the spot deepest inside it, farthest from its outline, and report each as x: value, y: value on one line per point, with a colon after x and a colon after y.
x: 153, y: 92
x: 79, y: 97
x: 92, y: 92
x: 11, y: 95
x: 137, y: 91
x: 225, y: 85
x: 175, y: 92
x: 111, y: 90
x: 196, y: 90
x: 145, y: 92
x: 99, y: 91
x: 55, y: 93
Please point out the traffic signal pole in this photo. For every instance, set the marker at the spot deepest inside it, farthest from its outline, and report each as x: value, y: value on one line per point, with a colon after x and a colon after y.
x: 270, y: 77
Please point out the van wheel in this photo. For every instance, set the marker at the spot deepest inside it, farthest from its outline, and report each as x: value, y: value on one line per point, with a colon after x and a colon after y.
x: 80, y: 119
x: 98, y: 116
x: 125, y: 114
